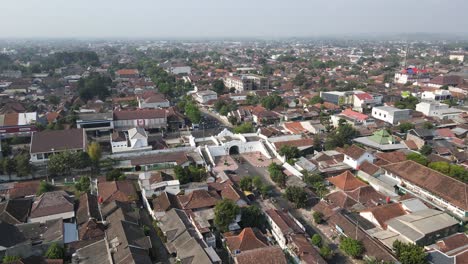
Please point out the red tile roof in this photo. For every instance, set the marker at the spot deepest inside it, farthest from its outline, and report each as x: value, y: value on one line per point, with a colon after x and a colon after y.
x: 364, y: 96
x: 198, y: 199
x: 303, y: 142
x: 270, y: 255
x: 354, y: 151
x: 355, y: 115
x: 386, y: 212
x: 122, y: 191
x: 346, y: 181
x: 246, y: 240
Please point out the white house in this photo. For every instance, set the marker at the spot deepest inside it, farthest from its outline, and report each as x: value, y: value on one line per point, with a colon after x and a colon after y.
x: 205, y: 96
x: 153, y: 101
x: 436, y: 109
x: 135, y: 139
x: 52, y: 205
x: 457, y: 56
x: 354, y: 156
x: 154, y: 183
x: 363, y: 101
x: 283, y: 224
x: 437, y: 95
x: 391, y: 114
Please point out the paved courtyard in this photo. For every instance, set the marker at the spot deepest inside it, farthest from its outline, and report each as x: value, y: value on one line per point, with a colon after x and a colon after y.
x: 257, y: 159
x: 225, y: 163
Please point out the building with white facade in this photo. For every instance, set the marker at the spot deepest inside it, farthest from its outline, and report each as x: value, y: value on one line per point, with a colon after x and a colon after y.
x: 391, y: 114
x: 457, y: 56
x: 362, y: 101
x: 439, y: 110
x: 437, y: 95
x: 135, y: 139
x: 354, y: 156
x: 154, y: 183
x: 46, y: 143
x: 206, y: 96
x: 145, y: 118
x: 443, y: 192
x: 246, y: 83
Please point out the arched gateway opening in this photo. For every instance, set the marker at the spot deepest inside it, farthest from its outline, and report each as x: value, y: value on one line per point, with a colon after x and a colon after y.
x: 234, y: 150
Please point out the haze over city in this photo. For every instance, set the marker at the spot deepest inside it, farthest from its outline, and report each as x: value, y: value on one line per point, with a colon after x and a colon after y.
x: 219, y: 19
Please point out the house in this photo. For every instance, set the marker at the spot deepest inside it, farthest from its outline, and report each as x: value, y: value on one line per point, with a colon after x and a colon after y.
x: 162, y: 204
x: 354, y: 156
x: 391, y: 115
x: 451, y: 249
x: 270, y: 255
x: 421, y: 228
x: 302, y: 250
x: 379, y: 215
x: 330, y: 162
x: 437, y: 95
x: 96, y: 252
x: 412, y: 75
x: 122, y: 191
x: 247, y: 239
x: 52, y: 205
x: 205, y: 96
x: 87, y: 209
x: 351, y: 117
x: 439, y: 110
x: 30, y: 239
x: 15, y: 211
x: 364, y: 101
x: 445, y: 80
x: 125, y: 74
x: 134, y: 139
x: 152, y: 100
x: 160, y: 160
x: 282, y: 225
x: 49, y: 142
x: 176, y: 68
x: 435, y: 188
x: 144, y: 118
x: 338, y: 98
x: 18, y: 124
x: 127, y: 242
x: 181, y: 239
x: 346, y: 182
x: 262, y: 116
x: 155, y: 183
x: 23, y: 189
x: 100, y: 122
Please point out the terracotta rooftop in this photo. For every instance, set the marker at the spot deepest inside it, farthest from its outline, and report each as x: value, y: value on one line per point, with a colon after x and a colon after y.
x: 354, y: 151
x: 198, y: 199
x: 51, y: 203
x: 369, y: 168
x: 346, y: 181
x: 391, y: 157
x: 447, y: 188
x: 303, y: 142
x: 453, y: 242
x: 383, y: 213
x: 122, y: 191
x: 270, y: 255
x: 248, y: 239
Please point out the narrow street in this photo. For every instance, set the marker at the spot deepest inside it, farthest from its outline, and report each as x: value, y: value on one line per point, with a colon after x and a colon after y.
x: 208, y: 112
x: 162, y: 256
x: 303, y: 215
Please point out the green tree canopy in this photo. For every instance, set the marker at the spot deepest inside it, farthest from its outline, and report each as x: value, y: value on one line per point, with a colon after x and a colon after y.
x: 290, y: 152
x: 94, y: 86
x: 192, y: 112
x: 408, y: 253
x: 190, y: 173
x: 252, y: 216
x: 417, y: 158
x: 10, y: 259
x: 83, y: 184
x: 351, y: 247
x: 246, y: 127
x: 405, y: 126
x: 225, y: 213
x: 270, y: 102
x: 218, y: 86
x: 296, y: 195
x: 316, y: 240
x: 246, y: 184
x: 55, y: 251
x: 277, y: 175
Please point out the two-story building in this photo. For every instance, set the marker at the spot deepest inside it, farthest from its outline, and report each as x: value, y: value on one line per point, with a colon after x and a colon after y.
x: 144, y: 118
x: 390, y: 114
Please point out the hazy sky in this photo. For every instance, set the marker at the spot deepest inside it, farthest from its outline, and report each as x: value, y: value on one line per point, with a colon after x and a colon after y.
x: 234, y: 18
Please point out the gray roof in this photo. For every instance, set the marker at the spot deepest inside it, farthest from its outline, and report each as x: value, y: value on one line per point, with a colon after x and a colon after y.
x: 95, y: 117
x: 97, y: 252
x: 416, y: 225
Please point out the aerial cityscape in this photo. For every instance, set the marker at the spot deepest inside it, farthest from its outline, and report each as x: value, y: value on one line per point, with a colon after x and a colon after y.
x: 244, y: 133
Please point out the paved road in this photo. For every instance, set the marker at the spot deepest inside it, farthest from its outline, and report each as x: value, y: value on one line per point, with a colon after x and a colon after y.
x: 304, y: 216
x: 208, y: 112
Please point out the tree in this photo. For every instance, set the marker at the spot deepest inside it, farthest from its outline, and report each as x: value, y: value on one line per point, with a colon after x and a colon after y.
x: 265, y: 190
x: 45, y: 187
x: 290, y: 152
x: 351, y: 247
x: 440, y: 166
x: 62, y: 163
x: 55, y: 251
x: 9, y: 166
x: 342, y: 136
x: 246, y: 184
x: 316, y: 240
x: 10, y: 259
x: 94, y: 85
x: 272, y: 101
x: 318, y: 217
x: 95, y: 153
x: 277, y: 175
x: 417, y: 158
x: 225, y: 213
x: 428, y: 125
x: 404, y: 127
x: 426, y: 150
x: 320, y: 189
x: 311, y: 179
x: 192, y: 112
x: 409, y: 102
x: 408, y: 253
x: 316, y: 100
x: 6, y: 149
x: 296, y: 195
x: 246, y: 127
x: 83, y: 184
x: 23, y: 166
x: 257, y: 182
x: 115, y: 175
x: 326, y: 252
x: 252, y: 216
x: 53, y: 100
x: 218, y: 86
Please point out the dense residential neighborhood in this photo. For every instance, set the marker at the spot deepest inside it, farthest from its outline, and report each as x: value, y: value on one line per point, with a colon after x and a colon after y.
x: 252, y: 151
